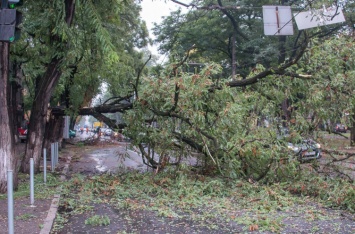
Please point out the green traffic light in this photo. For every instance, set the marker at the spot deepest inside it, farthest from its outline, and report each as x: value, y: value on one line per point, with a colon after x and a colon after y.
x: 12, y: 6
x: 11, y: 39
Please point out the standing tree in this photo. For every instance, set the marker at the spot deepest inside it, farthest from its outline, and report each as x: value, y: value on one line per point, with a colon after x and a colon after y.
x: 86, y: 44
x: 8, y: 160
x: 46, y: 82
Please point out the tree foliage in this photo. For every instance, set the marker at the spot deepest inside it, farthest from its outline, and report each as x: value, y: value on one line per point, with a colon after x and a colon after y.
x: 69, y: 49
x: 330, y: 91
x: 178, y: 113
x: 181, y: 111
x: 211, y: 26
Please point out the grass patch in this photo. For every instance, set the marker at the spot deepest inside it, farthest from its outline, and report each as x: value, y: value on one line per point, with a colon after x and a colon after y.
x: 42, y: 191
x: 98, y: 220
x: 25, y: 217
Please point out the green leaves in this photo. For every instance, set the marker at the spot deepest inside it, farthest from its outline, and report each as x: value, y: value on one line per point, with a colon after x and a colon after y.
x: 98, y: 220
x: 222, y: 125
x: 100, y: 45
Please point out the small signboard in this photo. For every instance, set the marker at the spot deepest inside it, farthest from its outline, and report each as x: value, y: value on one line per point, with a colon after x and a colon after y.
x: 277, y: 20
x: 66, y: 127
x: 316, y: 18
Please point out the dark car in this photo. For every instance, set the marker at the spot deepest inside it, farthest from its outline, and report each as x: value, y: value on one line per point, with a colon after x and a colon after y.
x: 340, y: 128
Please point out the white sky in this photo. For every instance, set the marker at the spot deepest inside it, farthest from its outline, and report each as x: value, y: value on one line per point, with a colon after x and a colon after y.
x: 153, y: 10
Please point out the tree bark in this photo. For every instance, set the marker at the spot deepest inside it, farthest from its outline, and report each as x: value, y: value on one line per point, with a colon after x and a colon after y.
x: 54, y: 129
x: 45, y: 86
x: 7, y: 150
x: 352, y: 132
x: 36, y: 127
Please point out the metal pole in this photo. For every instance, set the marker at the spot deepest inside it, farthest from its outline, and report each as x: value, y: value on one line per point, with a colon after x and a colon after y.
x: 10, y: 202
x: 45, y: 165
x: 56, y: 153
x: 32, y: 196
x: 52, y: 157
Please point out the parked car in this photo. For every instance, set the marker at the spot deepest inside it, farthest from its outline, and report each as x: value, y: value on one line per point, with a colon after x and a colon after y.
x: 22, y: 134
x: 72, y: 133
x: 340, y: 128
x: 108, y: 132
x: 100, y: 130
x: 303, y: 149
x: 306, y: 150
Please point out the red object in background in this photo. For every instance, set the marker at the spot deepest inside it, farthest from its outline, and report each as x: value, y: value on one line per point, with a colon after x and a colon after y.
x: 22, y: 133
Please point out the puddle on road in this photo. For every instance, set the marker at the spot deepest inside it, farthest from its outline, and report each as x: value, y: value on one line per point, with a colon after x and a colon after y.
x: 99, y: 166
x: 117, y: 158
x: 114, y: 158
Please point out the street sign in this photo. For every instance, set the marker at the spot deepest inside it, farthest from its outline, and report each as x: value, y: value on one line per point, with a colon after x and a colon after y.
x: 316, y: 18
x: 277, y: 20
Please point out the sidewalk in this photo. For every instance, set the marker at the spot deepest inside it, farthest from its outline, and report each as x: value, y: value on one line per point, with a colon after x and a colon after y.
x: 40, y: 217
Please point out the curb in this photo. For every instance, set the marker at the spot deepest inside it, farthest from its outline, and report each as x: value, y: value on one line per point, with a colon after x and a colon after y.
x: 48, y: 222
x: 52, y: 212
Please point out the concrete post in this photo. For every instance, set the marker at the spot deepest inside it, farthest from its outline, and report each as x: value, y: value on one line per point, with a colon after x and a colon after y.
x: 45, y: 166
x: 10, y: 201
x: 32, y: 196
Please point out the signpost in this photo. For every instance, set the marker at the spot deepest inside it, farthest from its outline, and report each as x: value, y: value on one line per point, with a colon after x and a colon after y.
x: 278, y: 19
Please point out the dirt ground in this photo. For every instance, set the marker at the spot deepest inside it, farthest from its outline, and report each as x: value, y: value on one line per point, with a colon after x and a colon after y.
x: 30, y: 219
x: 27, y: 218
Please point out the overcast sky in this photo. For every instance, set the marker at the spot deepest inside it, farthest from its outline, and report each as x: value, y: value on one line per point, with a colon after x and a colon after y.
x: 153, y: 10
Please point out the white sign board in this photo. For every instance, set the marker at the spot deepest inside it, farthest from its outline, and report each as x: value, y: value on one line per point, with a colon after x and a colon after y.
x: 277, y: 20
x: 311, y: 19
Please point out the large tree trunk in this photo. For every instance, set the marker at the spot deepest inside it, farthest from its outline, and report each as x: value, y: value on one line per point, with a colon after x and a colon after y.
x: 16, y: 98
x: 7, y: 150
x: 54, y: 128
x: 45, y: 86
x: 36, y: 127
x: 352, y: 131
